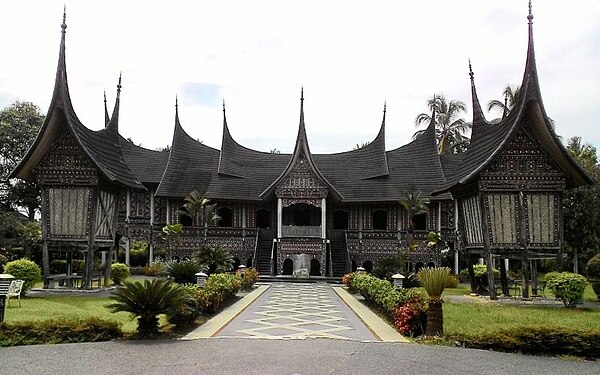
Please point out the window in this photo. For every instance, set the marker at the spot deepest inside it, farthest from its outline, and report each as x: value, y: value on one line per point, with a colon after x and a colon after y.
x: 420, y: 222
x: 226, y: 215
x: 340, y: 220
x: 263, y: 218
x: 380, y: 220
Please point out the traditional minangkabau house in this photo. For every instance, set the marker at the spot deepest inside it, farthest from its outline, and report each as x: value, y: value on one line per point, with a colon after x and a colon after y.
x: 340, y: 210
x: 510, y: 182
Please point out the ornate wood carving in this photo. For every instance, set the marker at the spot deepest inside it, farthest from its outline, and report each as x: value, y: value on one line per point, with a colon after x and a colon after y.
x: 523, y: 165
x: 302, y: 183
x: 66, y: 164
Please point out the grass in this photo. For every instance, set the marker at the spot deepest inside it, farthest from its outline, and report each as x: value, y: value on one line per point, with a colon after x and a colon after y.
x: 477, y: 318
x: 465, y: 289
x: 89, y: 306
x: 48, y: 307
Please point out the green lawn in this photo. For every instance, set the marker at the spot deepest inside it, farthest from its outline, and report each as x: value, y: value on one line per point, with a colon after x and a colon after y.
x: 47, y: 307
x: 476, y: 318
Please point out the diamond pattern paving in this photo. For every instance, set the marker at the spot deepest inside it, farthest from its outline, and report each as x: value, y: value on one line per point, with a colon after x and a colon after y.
x: 298, y: 311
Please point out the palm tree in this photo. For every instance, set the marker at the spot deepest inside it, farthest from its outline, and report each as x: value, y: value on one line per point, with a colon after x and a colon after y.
x: 215, y: 259
x: 194, y: 207
x: 202, y: 213
x: 434, y: 282
x: 511, y: 96
x: 449, y: 129
x: 147, y: 300
x: 414, y: 205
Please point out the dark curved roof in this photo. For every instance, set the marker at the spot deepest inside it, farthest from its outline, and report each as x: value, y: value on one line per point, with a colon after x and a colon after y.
x: 489, y: 140
x: 190, y: 166
x: 147, y: 165
x: 101, y: 146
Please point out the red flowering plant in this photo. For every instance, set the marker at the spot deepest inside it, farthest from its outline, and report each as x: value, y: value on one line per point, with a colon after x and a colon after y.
x: 409, y: 319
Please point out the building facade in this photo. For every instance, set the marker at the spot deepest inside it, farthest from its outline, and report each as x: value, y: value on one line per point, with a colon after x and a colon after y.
x: 326, y: 213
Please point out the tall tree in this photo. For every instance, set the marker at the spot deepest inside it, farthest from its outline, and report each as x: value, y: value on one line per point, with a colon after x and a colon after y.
x: 19, y: 125
x: 450, y: 129
x: 581, y: 208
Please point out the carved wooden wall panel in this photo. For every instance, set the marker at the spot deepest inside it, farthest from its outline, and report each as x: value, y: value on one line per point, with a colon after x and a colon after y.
x: 502, y: 218
x: 139, y: 203
x: 105, y: 215
x: 160, y: 210
x: 542, y: 219
x: 471, y: 215
x: 67, y: 212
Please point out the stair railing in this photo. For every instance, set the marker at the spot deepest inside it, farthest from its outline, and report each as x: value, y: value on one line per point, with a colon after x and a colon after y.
x: 255, y: 257
x: 348, y: 261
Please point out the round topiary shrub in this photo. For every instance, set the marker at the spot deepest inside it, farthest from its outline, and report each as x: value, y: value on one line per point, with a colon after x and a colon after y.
x: 567, y: 286
x: 119, y: 272
x: 593, y: 272
x: 26, y: 270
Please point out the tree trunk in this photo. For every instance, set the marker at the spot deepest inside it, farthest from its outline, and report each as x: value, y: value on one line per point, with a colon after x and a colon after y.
x: 435, y: 318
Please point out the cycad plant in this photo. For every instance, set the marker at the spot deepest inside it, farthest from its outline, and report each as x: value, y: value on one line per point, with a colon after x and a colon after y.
x: 183, y: 272
x: 214, y: 259
x: 147, y: 300
x: 434, y: 282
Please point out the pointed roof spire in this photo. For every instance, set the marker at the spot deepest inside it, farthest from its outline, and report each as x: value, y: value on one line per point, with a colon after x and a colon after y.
x: 63, y: 26
x: 505, y: 110
x: 106, y: 117
x: 113, y: 124
x: 225, y: 126
x: 301, y: 128
x: 478, y: 116
x: 382, y: 130
x: 177, y: 123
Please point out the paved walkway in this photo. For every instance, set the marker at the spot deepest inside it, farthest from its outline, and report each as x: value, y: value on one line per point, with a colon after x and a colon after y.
x: 298, y: 311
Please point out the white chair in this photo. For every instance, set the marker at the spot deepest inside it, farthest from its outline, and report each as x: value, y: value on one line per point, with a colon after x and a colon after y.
x: 14, y: 290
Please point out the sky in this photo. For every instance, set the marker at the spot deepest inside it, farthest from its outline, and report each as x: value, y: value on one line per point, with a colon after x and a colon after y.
x: 349, y: 56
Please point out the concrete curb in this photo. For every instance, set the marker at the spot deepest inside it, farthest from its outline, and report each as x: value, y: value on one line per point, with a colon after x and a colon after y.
x: 219, y: 321
x: 379, y: 327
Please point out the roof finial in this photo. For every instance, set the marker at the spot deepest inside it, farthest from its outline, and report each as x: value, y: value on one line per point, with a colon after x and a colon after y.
x: 223, y: 105
x: 470, y: 70
x: 530, y: 15
x: 384, y: 106
x: 119, y: 84
x: 176, y: 102
x: 63, y: 26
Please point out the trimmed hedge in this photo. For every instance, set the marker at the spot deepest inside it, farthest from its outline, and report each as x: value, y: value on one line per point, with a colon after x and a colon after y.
x: 58, y: 331
x: 24, y: 269
x: 390, y: 300
x: 218, y: 289
x: 567, y: 286
x: 119, y: 272
x: 547, y: 340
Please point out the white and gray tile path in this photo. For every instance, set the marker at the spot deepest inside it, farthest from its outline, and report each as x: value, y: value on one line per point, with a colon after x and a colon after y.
x: 297, y: 311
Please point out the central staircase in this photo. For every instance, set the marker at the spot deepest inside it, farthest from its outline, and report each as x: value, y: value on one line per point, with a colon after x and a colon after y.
x: 263, y: 252
x: 339, y: 253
